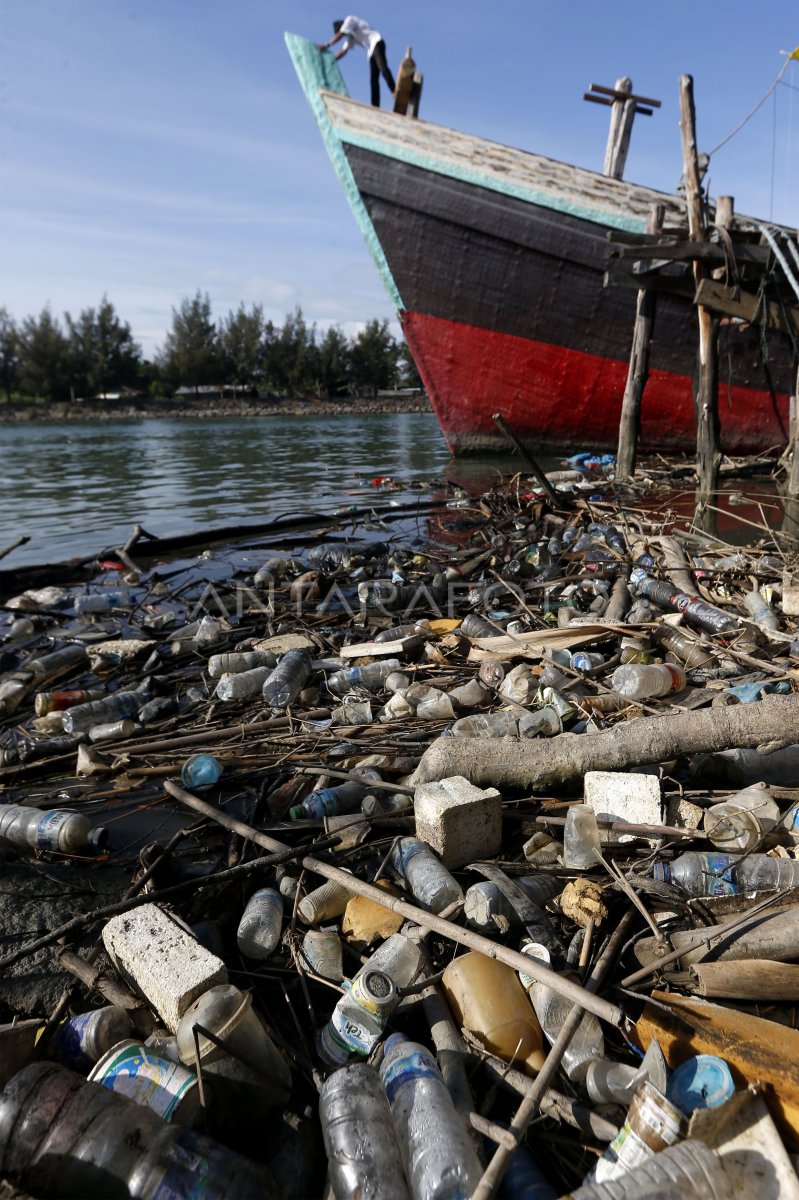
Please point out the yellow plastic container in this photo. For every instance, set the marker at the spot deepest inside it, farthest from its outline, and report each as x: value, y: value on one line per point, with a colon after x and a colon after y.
x: 487, y: 998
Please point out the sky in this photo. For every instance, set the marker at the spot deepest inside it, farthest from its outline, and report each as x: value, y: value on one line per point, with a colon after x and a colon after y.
x: 150, y: 149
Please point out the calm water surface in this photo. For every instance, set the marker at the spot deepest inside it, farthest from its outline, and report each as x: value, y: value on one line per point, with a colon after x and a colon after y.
x: 77, y: 488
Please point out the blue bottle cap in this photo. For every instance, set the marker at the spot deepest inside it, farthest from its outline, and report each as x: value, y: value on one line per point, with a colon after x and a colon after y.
x: 702, y: 1082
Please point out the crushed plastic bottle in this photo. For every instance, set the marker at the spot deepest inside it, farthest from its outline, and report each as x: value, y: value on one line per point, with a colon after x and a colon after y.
x: 285, y: 682
x: 99, y: 712
x: 706, y: 874
x: 261, y: 924
x: 428, y: 879
x: 371, y: 677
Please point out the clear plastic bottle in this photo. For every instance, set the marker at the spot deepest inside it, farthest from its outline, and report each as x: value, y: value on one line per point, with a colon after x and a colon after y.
x: 427, y: 878
x: 54, y: 829
x: 287, y: 679
x: 401, y: 957
x: 329, y: 802
x: 358, y: 1022
x: 100, y: 712
x: 581, y: 838
x: 261, y: 924
x: 95, y: 1143
x: 322, y: 953
x: 371, y: 677
x: 504, y: 723
x: 721, y: 875
x: 485, y: 901
x: 647, y: 681
x: 398, y: 632
x: 695, y: 611
x: 235, y: 663
x: 684, y: 647
x: 589, y: 664
x: 363, y: 1156
x: 102, y: 602
x: 437, y: 1151
x: 81, y: 1041
x: 112, y: 730
x: 58, y: 660
x: 200, y: 771
x: 759, y: 611
x: 476, y: 627
x: 689, y: 1169
x: 241, y: 685
x: 587, y: 1044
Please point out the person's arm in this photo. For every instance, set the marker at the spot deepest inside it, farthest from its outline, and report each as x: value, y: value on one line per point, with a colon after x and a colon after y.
x: 335, y: 38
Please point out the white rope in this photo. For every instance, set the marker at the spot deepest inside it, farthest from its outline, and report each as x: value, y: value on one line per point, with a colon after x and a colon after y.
x: 749, y: 115
x: 768, y: 234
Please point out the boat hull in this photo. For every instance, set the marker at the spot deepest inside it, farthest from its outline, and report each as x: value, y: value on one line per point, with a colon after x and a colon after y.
x: 496, y: 261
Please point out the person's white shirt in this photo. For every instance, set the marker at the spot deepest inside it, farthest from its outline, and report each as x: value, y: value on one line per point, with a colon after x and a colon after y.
x: 358, y: 32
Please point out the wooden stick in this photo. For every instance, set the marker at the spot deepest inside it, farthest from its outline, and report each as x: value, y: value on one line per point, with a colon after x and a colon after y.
x: 528, y: 459
x: 464, y: 937
x: 638, y: 372
x: 21, y: 541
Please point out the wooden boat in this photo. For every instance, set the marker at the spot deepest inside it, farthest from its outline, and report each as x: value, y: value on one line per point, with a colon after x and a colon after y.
x: 495, y: 259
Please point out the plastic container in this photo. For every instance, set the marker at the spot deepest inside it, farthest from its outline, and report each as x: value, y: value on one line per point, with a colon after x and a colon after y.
x: 112, y: 731
x: 476, y: 627
x: 285, y: 682
x: 236, y: 663
x: 427, y: 878
x: 487, y: 998
x: 437, y: 1150
x: 100, y: 712
x: 363, y: 1156
x: 371, y: 678
x: 96, y: 1143
x: 739, y: 822
x: 546, y: 722
x: 703, y: 1081
x: 358, y: 1022
x: 227, y: 1012
x: 55, y: 830
x: 581, y: 842
x: 400, y: 957
x: 261, y: 924
x: 165, y: 1087
x: 485, y: 901
x: 504, y: 723
x: 329, y: 802
x: 324, y: 903
x: 81, y: 1041
x: 587, y: 663
x: 102, y: 602
x: 201, y: 771
x: 759, y: 611
x: 695, y: 611
x: 60, y: 701
x: 719, y: 874
x: 647, y: 681
x: 524, y: 1179
x: 551, y: 1009
x: 652, y: 1124
x: 241, y: 685
x: 689, y: 1169
x: 58, y: 660
x: 687, y: 649
x: 321, y: 953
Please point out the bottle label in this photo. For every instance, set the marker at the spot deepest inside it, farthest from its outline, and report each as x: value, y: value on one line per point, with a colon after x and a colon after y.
x: 71, y: 1039
x: 156, y: 1083
x: 49, y: 828
x: 719, y: 876
x: 344, y: 1036
x: 195, y: 1169
x: 408, y: 1069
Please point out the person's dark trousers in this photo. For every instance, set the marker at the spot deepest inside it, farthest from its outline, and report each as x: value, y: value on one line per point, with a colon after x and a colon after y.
x: 378, y: 66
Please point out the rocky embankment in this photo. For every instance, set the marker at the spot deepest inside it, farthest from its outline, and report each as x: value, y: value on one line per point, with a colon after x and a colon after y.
x: 204, y: 408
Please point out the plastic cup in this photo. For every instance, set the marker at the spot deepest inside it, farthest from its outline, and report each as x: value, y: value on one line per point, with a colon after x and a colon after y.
x: 227, y: 1012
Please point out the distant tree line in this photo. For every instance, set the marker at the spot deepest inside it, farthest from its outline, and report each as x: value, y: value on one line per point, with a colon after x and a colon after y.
x: 95, y: 354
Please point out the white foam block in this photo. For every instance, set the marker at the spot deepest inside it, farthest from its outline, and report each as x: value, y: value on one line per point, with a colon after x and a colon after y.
x: 625, y: 795
x: 165, y: 963
x: 458, y: 820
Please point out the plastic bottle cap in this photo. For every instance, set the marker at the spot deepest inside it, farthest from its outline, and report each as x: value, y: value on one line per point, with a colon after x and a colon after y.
x: 296, y: 812
x: 704, y: 1081
x: 661, y: 872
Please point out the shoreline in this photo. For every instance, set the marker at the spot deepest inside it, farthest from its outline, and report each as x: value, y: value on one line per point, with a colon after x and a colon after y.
x: 205, y: 409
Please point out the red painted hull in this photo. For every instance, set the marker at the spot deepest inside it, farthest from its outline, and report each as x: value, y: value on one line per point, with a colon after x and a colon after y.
x: 566, y: 399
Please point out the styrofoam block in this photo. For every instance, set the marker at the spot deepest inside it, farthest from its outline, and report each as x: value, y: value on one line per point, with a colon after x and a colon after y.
x: 168, y: 966
x: 625, y: 796
x: 459, y: 821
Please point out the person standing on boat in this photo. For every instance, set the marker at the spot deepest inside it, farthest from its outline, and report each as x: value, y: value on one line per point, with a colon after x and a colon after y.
x: 359, y: 32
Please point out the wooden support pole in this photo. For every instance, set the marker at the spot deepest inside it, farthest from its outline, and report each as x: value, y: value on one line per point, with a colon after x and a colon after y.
x: 622, y: 114
x: 708, y: 454
x: 630, y: 423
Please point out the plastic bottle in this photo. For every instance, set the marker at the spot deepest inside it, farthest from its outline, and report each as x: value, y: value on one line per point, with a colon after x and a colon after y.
x: 81, y: 1041
x: 689, y: 1169
x: 485, y: 901
x: 322, y: 953
x: 476, y: 627
x: 271, y: 571
x: 589, y: 664
x: 546, y: 722
x: 720, y: 875
x: 397, y: 632
x: 587, y: 1044
x: 652, y: 1124
x: 487, y: 998
x: 101, y: 602
x: 59, y: 701
x: 524, y: 1179
x: 58, y: 660
x: 241, y: 685
x: 740, y: 821
x: 287, y: 679
x: 437, y: 1150
x: 234, y: 664
x: 54, y: 829
x: 686, y: 648
x: 634, y: 650
x: 363, y: 1157
x: 695, y: 611
x: 112, y: 730
x: 427, y: 878
x: 400, y: 957
x: 358, y: 1022
x: 261, y: 923
x: 647, y: 681
x: 96, y: 1143
x: 371, y: 677
x: 759, y: 610
x: 200, y: 771
x: 581, y: 838
x: 100, y: 712
x: 329, y: 802
x: 504, y: 723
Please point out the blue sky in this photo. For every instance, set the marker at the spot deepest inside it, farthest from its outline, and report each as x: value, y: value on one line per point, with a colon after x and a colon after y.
x: 151, y: 148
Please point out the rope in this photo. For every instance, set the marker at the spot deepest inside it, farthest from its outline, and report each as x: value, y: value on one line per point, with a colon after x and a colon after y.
x: 770, y: 237
x: 759, y: 104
